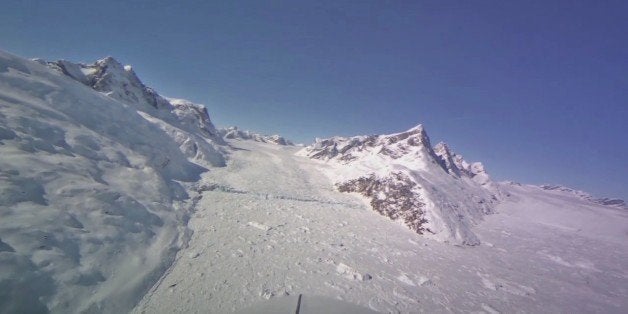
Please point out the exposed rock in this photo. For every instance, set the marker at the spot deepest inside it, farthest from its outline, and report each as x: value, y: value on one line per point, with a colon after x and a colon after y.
x: 187, y: 123
x: 405, y: 179
x: 394, y: 196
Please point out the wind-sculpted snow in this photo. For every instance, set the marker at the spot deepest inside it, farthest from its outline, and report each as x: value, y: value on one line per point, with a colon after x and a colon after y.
x: 432, y: 191
x: 187, y: 123
x: 92, y: 202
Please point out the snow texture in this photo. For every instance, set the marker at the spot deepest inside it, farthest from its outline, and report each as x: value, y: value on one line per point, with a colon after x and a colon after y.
x: 92, y: 194
x: 271, y: 226
x: 106, y: 206
x: 306, y: 305
x: 187, y: 123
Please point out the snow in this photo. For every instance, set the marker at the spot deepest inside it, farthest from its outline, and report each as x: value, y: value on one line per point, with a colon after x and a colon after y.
x: 306, y: 304
x: 425, y: 188
x: 558, y: 190
x: 116, y: 199
x: 92, y: 195
x: 185, y: 122
x: 538, y: 255
x: 235, y: 133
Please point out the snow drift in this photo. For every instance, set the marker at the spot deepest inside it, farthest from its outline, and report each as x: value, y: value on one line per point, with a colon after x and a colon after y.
x: 92, y: 194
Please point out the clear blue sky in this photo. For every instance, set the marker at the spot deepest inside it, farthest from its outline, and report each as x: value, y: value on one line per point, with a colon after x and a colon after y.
x: 537, y: 90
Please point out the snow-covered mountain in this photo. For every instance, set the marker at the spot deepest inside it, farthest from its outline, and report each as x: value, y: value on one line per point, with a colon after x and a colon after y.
x: 187, y: 123
x: 431, y: 190
x: 235, y: 133
x: 114, y: 198
x: 270, y: 227
x: 613, y: 202
x: 93, y: 194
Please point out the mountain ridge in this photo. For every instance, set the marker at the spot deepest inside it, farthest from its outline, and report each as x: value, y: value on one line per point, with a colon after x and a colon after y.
x: 405, y: 167
x: 120, y: 82
x: 104, y: 182
x: 234, y: 132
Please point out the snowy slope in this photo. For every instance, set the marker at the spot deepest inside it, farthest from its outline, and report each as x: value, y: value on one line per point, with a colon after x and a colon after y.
x: 92, y: 199
x: 106, y: 205
x: 432, y: 191
x: 271, y: 226
x: 185, y: 122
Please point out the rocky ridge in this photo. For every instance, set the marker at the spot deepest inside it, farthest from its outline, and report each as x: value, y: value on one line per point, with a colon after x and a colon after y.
x: 612, y: 202
x: 235, y: 133
x: 432, y: 191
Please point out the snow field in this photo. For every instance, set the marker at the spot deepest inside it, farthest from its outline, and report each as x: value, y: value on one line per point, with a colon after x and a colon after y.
x: 248, y: 247
x: 101, y: 187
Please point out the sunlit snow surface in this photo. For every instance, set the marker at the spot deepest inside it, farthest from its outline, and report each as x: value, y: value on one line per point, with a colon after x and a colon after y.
x: 92, y: 210
x: 270, y: 225
x: 96, y: 190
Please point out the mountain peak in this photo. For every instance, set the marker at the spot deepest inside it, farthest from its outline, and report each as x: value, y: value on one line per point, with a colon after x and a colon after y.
x: 442, y: 146
x: 182, y: 119
x: 109, y: 61
x: 410, y: 145
x: 446, y: 159
x: 403, y: 178
x: 417, y: 128
x: 415, y: 136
